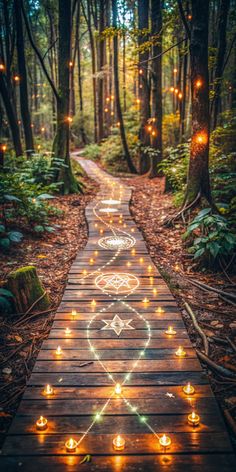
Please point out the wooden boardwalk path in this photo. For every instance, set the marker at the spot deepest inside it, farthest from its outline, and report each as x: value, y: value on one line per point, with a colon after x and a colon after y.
x: 123, y: 308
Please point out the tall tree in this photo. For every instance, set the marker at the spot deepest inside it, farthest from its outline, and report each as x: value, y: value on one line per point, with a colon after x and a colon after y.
x: 61, y: 140
x: 144, y: 90
x: 222, y: 29
x: 24, y: 103
x: 11, y: 115
x: 100, y: 80
x: 198, y: 182
x: 127, y: 155
x: 156, y: 138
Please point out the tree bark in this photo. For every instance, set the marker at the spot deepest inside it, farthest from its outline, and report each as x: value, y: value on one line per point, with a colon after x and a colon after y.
x: 24, y: 103
x: 100, y: 80
x: 198, y: 182
x: 4, y: 91
x: 156, y: 138
x: 61, y: 140
x: 81, y: 105
x: 117, y: 91
x: 144, y: 91
x: 222, y: 30
x: 93, y: 57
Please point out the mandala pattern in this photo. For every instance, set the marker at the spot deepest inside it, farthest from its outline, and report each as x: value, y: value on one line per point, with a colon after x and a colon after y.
x: 108, y: 210
x: 117, y: 283
x: 111, y: 202
x: 117, y: 325
x: 116, y: 242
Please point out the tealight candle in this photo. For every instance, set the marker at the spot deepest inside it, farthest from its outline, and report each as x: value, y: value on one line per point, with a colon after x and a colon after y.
x: 74, y: 313
x: 67, y: 331
x: 160, y: 310
x: 118, y: 389
x: 141, y: 260
x: 42, y: 423
x: 85, y: 271
x: 188, y: 389
x: 149, y: 268
x: 48, y: 390
x: 133, y: 252
x: 154, y: 291
x: 145, y: 300
x: 165, y: 441
x: 58, y: 351
x: 93, y: 303
x: 91, y: 260
x: 118, y: 443
x: 180, y: 352
x: 170, y: 330
x: 193, y: 419
x: 71, y: 445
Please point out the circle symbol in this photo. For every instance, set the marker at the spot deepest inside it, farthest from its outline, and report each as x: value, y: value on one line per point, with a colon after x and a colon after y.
x: 108, y: 210
x: 116, y: 242
x: 117, y: 283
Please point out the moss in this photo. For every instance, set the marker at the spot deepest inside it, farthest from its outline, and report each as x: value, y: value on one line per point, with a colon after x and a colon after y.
x: 27, y: 288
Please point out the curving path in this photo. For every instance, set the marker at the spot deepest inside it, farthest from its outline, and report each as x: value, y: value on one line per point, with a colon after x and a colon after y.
x: 117, y: 372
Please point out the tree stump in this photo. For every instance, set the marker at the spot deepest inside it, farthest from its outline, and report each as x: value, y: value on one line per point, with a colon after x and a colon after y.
x: 27, y: 290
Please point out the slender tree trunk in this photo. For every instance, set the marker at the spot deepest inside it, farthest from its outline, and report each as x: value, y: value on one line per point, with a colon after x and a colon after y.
x: 93, y: 57
x: 10, y: 111
x: 100, y: 80
x: 198, y: 175
x: 24, y: 103
x: 61, y: 140
x: 144, y: 91
x: 222, y: 30
x: 117, y: 91
x: 81, y: 105
x: 184, y: 99
x: 156, y: 138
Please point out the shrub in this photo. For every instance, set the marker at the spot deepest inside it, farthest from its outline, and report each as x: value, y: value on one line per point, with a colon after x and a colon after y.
x: 174, y: 166
x: 212, y: 242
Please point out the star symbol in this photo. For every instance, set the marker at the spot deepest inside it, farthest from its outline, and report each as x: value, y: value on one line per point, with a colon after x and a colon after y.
x: 117, y: 325
x: 170, y: 395
x: 117, y: 282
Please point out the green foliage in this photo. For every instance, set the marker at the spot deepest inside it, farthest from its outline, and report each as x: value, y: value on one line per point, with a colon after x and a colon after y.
x: 211, y: 239
x: 112, y: 156
x: 8, y: 237
x: 6, y: 299
x: 174, y: 166
x: 92, y: 151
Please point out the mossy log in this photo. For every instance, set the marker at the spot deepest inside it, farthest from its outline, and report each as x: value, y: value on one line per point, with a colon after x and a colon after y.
x: 27, y: 290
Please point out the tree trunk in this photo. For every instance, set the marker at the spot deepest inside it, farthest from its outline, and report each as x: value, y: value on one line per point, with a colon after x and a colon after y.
x: 222, y: 30
x: 24, y: 103
x: 61, y: 140
x: 198, y: 174
x: 156, y: 138
x: 117, y: 91
x: 93, y: 57
x: 4, y: 91
x: 100, y: 80
x: 27, y: 290
x: 144, y: 92
x: 81, y: 106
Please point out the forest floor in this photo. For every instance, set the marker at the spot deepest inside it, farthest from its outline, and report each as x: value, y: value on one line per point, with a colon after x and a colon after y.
x: 52, y: 254
x: 216, y: 318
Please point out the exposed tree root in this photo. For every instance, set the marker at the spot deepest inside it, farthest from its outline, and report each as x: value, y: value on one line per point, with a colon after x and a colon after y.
x: 198, y: 329
x: 183, y: 210
x: 220, y: 370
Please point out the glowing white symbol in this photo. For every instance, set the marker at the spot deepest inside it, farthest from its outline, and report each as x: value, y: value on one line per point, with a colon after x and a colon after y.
x: 116, y: 242
x: 108, y: 210
x: 111, y: 202
x: 117, y: 325
x: 117, y: 283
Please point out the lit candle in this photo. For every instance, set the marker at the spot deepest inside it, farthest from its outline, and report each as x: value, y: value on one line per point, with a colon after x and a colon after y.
x: 58, y: 350
x: 149, y: 268
x: 165, y: 441
x: 154, y: 291
x: 188, y: 389
x: 141, y: 260
x: 170, y: 330
x: 118, y: 389
x: 118, y: 443
x: 74, y: 313
x: 145, y: 300
x: 160, y: 310
x: 193, y: 419
x: 91, y: 260
x: 71, y: 445
x: 48, y: 390
x: 93, y: 303
x: 42, y: 423
x: 85, y: 271
x: 180, y: 352
x: 133, y: 252
x: 67, y: 331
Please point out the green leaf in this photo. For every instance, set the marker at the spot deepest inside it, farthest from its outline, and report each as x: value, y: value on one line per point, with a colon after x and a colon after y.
x: 6, y: 293
x: 39, y: 228
x: 11, y: 198
x: 50, y: 229
x: 5, y: 243
x: 199, y: 253
x: 45, y: 196
x: 214, y: 249
x: 2, y: 229
x: 203, y: 212
x: 15, y: 236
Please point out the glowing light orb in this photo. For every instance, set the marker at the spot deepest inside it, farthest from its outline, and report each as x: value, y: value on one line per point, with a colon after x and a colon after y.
x: 116, y: 242
x: 117, y: 283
